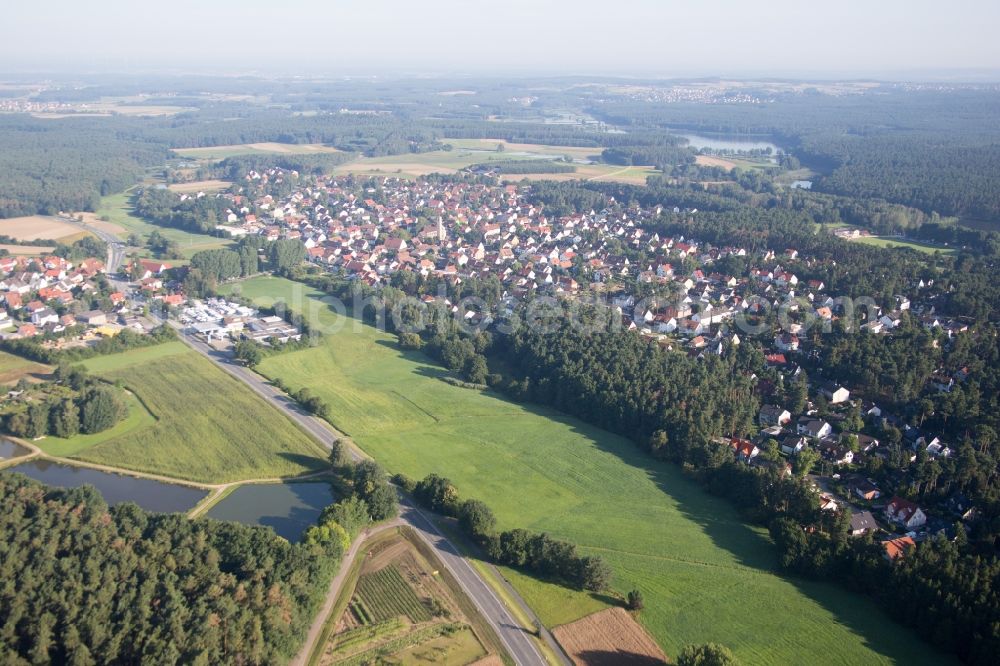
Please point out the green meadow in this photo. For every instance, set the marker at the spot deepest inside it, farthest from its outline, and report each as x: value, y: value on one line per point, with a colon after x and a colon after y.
x: 117, y: 209
x: 705, y: 575
x: 194, y: 422
x: 892, y: 242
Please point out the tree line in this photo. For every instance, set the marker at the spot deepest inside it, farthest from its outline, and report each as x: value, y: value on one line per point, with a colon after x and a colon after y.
x: 125, y: 340
x: 537, y: 553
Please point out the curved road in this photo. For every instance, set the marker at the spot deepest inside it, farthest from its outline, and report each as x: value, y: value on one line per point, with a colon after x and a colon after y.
x: 116, y: 248
x: 516, y: 640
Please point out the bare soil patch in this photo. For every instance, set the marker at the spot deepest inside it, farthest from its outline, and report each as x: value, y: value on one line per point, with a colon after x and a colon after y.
x: 609, y: 638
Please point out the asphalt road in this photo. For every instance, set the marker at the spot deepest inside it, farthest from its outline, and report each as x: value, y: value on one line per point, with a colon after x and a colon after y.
x: 116, y: 248
x: 516, y: 640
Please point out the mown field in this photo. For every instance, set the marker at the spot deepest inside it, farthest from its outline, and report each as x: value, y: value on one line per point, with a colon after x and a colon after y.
x: 704, y: 574
x: 207, y: 426
x: 271, y: 148
x: 467, y: 152
x: 890, y: 241
x: 44, y: 227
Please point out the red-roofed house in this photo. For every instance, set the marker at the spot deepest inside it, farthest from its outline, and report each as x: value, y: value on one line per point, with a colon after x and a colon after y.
x: 151, y: 267
x: 896, y: 548
x: 745, y: 449
x: 905, y: 513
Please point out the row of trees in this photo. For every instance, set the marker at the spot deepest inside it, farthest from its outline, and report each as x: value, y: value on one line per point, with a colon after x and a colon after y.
x: 126, y: 339
x: 535, y: 552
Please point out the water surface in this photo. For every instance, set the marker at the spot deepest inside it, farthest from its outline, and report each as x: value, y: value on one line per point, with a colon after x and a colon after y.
x: 287, y: 508
x: 10, y: 450
x: 115, y: 488
x: 728, y: 142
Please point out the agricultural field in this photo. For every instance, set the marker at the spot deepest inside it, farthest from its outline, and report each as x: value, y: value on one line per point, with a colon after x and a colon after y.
x: 705, y: 575
x: 269, y: 148
x: 609, y: 638
x: 482, y: 151
x: 634, y: 175
x: 27, y: 250
x: 402, y: 610
x: 196, y: 186
x: 33, y: 227
x: 207, y: 426
x: 891, y: 241
x: 383, y: 595
x: 731, y: 162
x: 592, y: 153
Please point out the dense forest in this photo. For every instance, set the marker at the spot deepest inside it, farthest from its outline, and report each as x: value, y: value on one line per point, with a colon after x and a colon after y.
x: 66, y: 165
x: 84, y: 583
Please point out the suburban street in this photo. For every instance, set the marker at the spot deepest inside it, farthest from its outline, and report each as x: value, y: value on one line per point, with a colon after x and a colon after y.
x: 516, y: 639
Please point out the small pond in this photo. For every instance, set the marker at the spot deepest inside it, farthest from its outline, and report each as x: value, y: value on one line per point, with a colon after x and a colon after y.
x: 115, y: 488
x: 287, y: 508
x: 10, y: 450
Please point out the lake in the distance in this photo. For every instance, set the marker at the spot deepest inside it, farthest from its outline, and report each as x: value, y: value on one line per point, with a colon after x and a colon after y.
x: 115, y: 488
x: 727, y: 142
x: 287, y: 508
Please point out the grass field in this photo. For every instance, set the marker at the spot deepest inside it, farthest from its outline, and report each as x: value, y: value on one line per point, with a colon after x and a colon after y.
x: 209, y: 427
x: 117, y: 210
x: 890, y: 241
x: 271, y: 148
x: 138, y: 417
x: 461, y: 647
x: 12, y: 368
x: 478, y: 151
x: 704, y: 574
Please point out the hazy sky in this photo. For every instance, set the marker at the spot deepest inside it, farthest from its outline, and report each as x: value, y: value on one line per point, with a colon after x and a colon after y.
x: 639, y: 37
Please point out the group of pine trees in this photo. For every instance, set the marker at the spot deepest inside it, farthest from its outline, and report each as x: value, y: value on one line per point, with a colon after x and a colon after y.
x: 71, y: 404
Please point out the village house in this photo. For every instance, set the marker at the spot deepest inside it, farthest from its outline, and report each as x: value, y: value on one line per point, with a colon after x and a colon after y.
x: 834, y: 392
x: 774, y: 415
x: 813, y: 428
x: 898, y: 547
x: 905, y: 513
x: 865, y: 489
x: 862, y: 523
